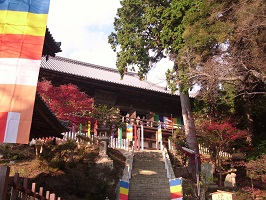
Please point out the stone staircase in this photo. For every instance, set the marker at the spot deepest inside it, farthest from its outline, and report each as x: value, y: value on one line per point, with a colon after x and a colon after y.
x: 149, y: 178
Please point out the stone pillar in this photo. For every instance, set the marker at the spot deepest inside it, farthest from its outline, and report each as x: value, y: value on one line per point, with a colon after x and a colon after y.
x: 103, y: 145
x: 206, y: 170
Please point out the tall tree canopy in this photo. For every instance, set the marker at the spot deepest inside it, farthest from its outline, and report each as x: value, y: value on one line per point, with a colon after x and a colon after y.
x: 227, y: 44
x: 219, y: 45
x: 147, y: 31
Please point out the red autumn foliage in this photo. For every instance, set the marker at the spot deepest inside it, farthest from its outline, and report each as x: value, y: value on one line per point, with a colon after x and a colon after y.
x: 220, y: 137
x: 223, y: 132
x: 67, y: 102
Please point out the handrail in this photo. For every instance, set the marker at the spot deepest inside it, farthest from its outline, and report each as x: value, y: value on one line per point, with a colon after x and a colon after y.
x: 168, y: 165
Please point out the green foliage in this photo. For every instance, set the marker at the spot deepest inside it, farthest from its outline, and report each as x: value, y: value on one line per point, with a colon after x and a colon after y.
x: 107, y: 116
x: 205, y: 26
x: 240, y: 195
x: 256, y: 170
x: 179, y: 140
x: 57, y: 155
x: 16, y: 152
x: 189, y: 190
x: 98, y: 191
x: 258, y: 150
x: 138, y: 27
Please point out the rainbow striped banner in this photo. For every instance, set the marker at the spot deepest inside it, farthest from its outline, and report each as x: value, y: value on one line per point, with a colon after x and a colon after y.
x: 124, y: 187
x: 22, y: 32
x: 176, y: 189
x: 129, y: 132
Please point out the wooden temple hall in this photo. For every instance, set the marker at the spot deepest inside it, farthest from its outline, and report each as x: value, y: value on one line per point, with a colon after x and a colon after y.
x: 140, y: 102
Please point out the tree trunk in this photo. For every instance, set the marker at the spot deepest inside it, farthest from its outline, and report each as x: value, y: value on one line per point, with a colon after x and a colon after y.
x: 249, y: 119
x: 190, y: 130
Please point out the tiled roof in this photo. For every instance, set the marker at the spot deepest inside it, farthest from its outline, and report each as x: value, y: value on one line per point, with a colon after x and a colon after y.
x: 97, y: 72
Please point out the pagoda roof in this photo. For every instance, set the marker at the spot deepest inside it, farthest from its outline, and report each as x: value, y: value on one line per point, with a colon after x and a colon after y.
x: 50, y: 46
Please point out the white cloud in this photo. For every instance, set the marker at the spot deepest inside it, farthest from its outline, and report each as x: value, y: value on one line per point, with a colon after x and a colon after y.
x: 82, y: 12
x: 83, y: 26
x: 157, y: 74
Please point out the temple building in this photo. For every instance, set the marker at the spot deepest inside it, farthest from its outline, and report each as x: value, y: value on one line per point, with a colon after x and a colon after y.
x: 140, y: 102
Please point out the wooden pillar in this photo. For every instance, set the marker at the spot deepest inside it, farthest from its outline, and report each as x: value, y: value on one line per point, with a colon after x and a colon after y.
x: 4, y: 177
x: 142, y: 138
x: 25, y: 185
x: 156, y: 141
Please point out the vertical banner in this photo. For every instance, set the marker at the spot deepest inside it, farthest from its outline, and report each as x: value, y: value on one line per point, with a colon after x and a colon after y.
x: 161, y: 120
x: 165, y: 122
x: 95, y: 127
x: 156, y: 119
x: 22, y: 32
x: 124, y: 187
x: 176, y: 189
x: 175, y: 125
x: 129, y: 132
x: 89, y: 129
x: 80, y: 128
x: 160, y: 137
x: 120, y: 137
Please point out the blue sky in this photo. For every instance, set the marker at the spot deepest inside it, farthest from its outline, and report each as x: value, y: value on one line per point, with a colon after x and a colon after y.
x: 83, y: 27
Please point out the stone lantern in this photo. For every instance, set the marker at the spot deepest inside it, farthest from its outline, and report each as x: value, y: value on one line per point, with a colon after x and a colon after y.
x: 103, y: 142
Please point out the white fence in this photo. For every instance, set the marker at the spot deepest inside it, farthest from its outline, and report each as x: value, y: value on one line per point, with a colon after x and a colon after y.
x: 118, y: 143
x: 205, y: 151
x: 202, y: 150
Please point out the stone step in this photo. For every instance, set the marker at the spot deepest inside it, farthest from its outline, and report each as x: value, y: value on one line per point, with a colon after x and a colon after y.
x: 149, y: 178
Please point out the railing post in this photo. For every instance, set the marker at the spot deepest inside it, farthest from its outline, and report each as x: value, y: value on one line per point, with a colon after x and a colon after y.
x: 14, y: 191
x: 52, y: 196
x: 25, y: 185
x: 47, y: 194
x: 4, y: 176
x: 142, y: 137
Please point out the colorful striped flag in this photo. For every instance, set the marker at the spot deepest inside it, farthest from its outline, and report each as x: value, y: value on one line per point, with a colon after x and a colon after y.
x: 22, y: 32
x: 124, y: 187
x: 175, y: 123
x: 176, y: 189
x: 180, y: 121
x: 129, y: 132
x: 156, y: 119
